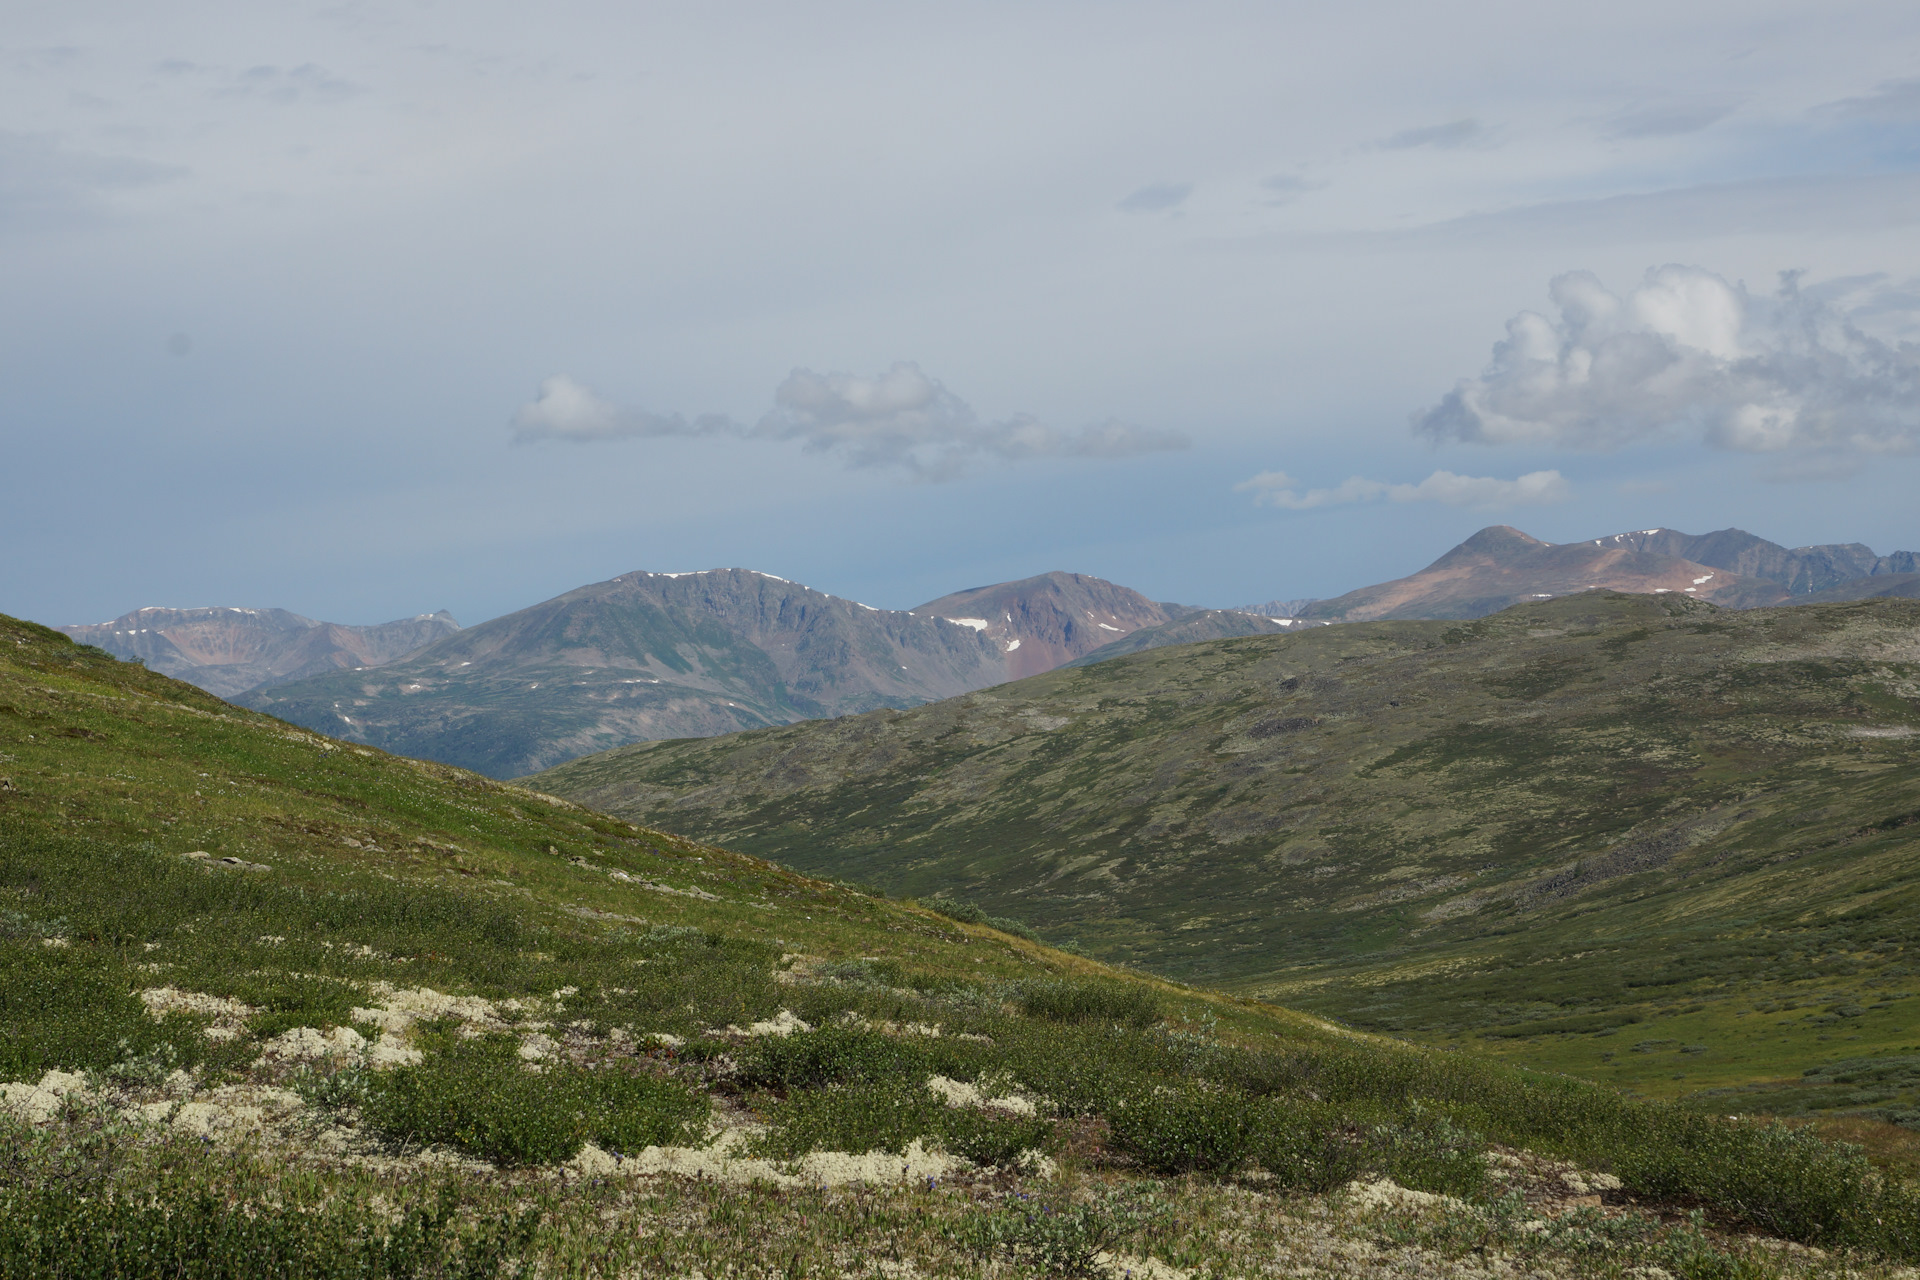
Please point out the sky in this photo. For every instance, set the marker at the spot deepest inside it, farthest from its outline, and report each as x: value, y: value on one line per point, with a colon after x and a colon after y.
x: 365, y: 310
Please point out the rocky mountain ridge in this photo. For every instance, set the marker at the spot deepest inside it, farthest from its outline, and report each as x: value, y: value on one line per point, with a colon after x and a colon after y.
x: 1501, y: 566
x: 228, y: 651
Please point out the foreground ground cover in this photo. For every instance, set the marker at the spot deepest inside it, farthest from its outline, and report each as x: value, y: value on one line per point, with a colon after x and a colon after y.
x: 268, y: 995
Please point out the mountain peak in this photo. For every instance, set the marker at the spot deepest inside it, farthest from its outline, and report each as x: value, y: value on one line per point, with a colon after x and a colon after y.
x: 1050, y: 619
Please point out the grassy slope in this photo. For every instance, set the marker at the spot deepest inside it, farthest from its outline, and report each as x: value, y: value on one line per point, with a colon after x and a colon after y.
x: 92, y: 747
x: 370, y: 869
x: 1595, y: 833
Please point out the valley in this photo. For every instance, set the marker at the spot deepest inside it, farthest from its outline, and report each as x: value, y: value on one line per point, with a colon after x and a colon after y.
x: 1638, y: 838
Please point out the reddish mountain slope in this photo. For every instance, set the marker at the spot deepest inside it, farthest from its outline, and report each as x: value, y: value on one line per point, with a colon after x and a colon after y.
x: 1047, y: 621
x: 1501, y: 566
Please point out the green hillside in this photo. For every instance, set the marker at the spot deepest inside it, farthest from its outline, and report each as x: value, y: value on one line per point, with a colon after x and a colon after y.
x: 1635, y: 837
x: 277, y: 1004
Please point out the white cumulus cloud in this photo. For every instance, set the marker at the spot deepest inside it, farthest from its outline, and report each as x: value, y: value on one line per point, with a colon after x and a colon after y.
x: 566, y: 410
x: 1688, y: 353
x: 1278, y: 489
x: 901, y: 419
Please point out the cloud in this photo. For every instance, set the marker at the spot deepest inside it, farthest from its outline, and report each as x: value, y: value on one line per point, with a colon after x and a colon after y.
x: 1155, y: 197
x: 1441, y: 137
x: 1669, y: 120
x: 899, y: 419
x: 1285, y: 188
x: 903, y: 418
x: 42, y: 182
x: 1278, y: 489
x: 1896, y: 100
x: 1687, y: 353
x: 566, y: 410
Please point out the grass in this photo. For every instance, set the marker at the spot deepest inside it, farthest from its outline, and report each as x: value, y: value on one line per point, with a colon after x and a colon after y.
x: 575, y: 979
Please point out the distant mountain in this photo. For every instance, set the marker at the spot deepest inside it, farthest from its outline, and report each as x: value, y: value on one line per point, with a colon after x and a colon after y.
x: 1501, y: 566
x: 1046, y: 621
x: 228, y: 651
x: 1802, y: 570
x: 645, y: 655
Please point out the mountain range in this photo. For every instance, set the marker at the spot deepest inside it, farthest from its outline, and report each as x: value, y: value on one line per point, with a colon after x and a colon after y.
x: 1501, y: 566
x: 1534, y: 828
x: 656, y: 655
x: 228, y: 651
x: 660, y: 655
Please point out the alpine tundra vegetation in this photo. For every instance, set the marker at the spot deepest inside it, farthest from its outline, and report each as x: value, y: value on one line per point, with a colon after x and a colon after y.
x: 1638, y: 838
x: 281, y: 1004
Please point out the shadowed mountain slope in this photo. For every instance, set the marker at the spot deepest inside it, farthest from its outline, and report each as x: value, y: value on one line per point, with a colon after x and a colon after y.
x: 229, y: 651
x: 1887, y: 586
x: 1042, y: 622
x: 1625, y: 808
x: 644, y: 655
x: 1803, y: 571
x: 1202, y: 624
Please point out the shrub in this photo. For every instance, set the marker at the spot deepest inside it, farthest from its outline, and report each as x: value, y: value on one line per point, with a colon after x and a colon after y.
x: 1783, y: 1179
x: 830, y: 1055
x: 63, y: 1008
x: 479, y: 1096
x: 52, y: 1232
x: 888, y: 1117
x: 1430, y: 1153
x: 1128, y: 1004
x: 1188, y: 1129
x: 333, y: 1090
x: 968, y: 913
x: 1062, y: 1238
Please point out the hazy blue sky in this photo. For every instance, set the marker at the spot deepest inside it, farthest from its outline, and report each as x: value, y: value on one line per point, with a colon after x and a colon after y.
x: 364, y: 310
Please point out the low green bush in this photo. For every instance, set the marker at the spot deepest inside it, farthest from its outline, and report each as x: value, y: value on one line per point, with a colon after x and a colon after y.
x: 969, y: 913
x: 1058, y: 1237
x: 55, y: 1233
x: 1128, y: 1004
x: 1785, y: 1180
x: 888, y: 1117
x: 1188, y: 1128
x: 831, y: 1055
x: 333, y: 1090
x: 479, y: 1096
x: 1430, y: 1153
x: 76, y: 1205
x: 70, y: 1009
